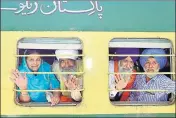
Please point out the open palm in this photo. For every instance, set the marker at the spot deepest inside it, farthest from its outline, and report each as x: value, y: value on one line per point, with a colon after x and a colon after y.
x: 19, y: 79
x: 71, y: 82
x: 120, y: 82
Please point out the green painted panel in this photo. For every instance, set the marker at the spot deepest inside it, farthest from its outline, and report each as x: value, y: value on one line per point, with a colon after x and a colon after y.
x: 117, y: 15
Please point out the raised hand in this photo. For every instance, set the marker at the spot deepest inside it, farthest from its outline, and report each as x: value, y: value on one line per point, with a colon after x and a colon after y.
x: 19, y: 79
x: 120, y: 82
x: 71, y: 82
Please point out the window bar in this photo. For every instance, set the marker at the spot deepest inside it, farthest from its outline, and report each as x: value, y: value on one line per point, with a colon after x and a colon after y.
x: 48, y: 90
x: 60, y: 73
x: 48, y: 55
x: 140, y: 73
x: 140, y: 90
x: 118, y: 55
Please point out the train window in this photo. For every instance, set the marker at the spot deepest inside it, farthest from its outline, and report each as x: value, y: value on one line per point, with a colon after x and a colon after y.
x: 141, y: 71
x: 49, y: 72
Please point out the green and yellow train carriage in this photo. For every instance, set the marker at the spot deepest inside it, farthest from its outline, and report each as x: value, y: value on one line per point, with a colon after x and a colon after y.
x: 138, y: 24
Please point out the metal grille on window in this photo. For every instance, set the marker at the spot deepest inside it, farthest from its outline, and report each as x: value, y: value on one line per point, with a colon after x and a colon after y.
x: 141, y: 71
x: 59, y: 70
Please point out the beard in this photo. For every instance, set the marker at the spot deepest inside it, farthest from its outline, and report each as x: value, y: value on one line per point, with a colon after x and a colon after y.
x: 68, y: 69
x: 125, y: 76
x: 151, y: 70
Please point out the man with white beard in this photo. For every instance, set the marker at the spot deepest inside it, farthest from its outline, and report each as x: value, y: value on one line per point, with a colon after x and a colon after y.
x: 152, y: 64
x: 123, y: 64
x: 69, y: 81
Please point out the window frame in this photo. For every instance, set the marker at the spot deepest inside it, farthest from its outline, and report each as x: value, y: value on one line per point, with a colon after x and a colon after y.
x: 76, y: 44
x: 124, y: 43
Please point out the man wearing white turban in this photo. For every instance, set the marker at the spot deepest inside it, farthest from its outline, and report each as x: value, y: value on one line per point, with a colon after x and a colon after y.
x: 68, y: 81
x: 152, y: 81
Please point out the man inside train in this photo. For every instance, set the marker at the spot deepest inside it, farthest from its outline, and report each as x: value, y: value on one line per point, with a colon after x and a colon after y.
x: 122, y: 81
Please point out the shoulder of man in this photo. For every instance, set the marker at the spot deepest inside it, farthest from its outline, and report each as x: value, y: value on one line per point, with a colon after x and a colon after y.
x: 163, y: 78
x: 140, y: 77
x: 111, y: 62
x: 111, y: 66
x: 79, y: 64
x: 78, y: 61
x: 55, y: 66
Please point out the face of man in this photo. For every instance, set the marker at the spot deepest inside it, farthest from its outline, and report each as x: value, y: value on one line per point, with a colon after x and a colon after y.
x: 33, y: 62
x: 67, y: 65
x: 151, y: 66
x: 126, y: 65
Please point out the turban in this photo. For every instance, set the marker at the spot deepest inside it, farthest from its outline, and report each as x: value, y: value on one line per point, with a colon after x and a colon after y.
x: 127, y: 51
x: 155, y: 51
x: 66, y: 52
